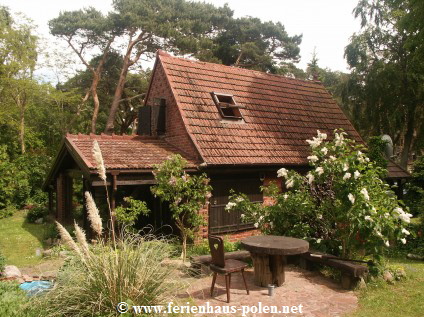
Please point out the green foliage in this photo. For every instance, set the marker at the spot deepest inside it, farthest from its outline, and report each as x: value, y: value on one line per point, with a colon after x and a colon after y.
x: 376, y: 148
x: 185, y: 193
x: 2, y: 263
x: 14, y: 301
x: 36, y: 212
x: 7, y: 211
x: 127, y: 215
x: 342, y: 206
x: 250, y: 43
x: 414, y: 197
x: 385, y: 92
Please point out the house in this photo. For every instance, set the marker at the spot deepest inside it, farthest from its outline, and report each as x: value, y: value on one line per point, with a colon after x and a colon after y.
x: 237, y: 125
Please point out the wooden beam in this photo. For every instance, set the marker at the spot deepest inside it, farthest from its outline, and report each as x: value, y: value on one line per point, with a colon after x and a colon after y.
x: 136, y: 182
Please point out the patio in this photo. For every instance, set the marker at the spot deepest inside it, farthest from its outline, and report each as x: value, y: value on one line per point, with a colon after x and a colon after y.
x: 318, y: 295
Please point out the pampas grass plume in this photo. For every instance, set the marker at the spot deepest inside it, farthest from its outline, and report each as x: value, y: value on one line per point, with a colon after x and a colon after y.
x: 67, y: 239
x: 93, y: 214
x: 97, y: 155
x: 82, y: 239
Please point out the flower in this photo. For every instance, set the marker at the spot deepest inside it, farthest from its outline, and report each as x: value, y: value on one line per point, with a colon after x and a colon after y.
x: 403, y: 240
x: 405, y: 231
x: 321, y: 136
x: 286, y: 196
x: 314, y: 142
x: 340, y: 247
x: 312, y: 158
x: 282, y: 172
x: 356, y: 174
x: 256, y: 225
x: 318, y: 240
x: 319, y: 170
x: 289, y: 183
x: 339, y: 138
x: 373, y: 210
x: 378, y: 233
x: 364, y: 193
x: 368, y: 218
x: 345, y: 167
x: 324, y: 150
x: 242, y: 216
x: 347, y: 176
x: 271, y: 224
x: 351, y: 198
x: 333, y: 158
x: 239, y: 199
x: 310, y: 178
x: 319, y: 216
x: 387, y: 243
x: 230, y: 205
x: 402, y: 215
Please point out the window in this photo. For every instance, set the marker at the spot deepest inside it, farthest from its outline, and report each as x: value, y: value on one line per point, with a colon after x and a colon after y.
x: 227, y: 106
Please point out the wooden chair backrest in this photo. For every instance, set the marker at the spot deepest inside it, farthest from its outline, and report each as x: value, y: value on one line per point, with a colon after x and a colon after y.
x: 216, y: 244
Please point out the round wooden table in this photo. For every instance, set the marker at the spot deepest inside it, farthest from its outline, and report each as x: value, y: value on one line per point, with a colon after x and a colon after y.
x: 269, y: 256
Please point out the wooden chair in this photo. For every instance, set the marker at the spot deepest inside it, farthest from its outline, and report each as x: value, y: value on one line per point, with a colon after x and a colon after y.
x: 221, y: 266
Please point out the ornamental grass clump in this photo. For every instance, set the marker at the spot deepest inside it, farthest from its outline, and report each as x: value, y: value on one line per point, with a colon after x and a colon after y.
x: 342, y: 205
x: 133, y: 272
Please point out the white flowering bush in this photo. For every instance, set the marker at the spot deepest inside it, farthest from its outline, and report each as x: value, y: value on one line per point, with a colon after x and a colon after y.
x: 341, y: 205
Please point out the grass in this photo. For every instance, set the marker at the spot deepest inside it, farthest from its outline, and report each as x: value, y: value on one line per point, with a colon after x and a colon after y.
x: 404, y: 298
x: 19, y: 240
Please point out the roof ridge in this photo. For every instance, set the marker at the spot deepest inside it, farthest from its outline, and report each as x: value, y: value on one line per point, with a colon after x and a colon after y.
x: 161, y: 53
x: 103, y: 136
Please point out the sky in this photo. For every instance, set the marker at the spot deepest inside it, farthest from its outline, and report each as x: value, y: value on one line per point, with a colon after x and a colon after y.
x: 326, y: 25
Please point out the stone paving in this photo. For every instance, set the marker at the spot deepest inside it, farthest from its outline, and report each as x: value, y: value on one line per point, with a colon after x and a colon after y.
x: 318, y: 296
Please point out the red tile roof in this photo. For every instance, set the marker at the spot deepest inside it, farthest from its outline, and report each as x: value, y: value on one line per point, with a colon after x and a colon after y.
x: 124, y: 151
x: 280, y: 113
x: 396, y: 171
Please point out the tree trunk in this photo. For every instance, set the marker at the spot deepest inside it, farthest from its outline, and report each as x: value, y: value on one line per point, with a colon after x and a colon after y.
x: 93, y: 89
x: 118, y: 93
x: 21, y: 104
x: 409, y: 135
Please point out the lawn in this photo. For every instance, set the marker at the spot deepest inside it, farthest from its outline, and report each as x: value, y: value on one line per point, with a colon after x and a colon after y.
x: 405, y: 298
x: 19, y: 240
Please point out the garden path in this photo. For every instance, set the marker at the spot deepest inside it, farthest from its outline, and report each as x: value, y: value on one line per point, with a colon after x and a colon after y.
x: 319, y: 296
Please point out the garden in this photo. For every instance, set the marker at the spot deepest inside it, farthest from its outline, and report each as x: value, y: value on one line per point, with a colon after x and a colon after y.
x: 341, y: 206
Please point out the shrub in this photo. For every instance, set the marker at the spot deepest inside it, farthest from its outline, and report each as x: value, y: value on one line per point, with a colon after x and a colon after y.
x: 126, y: 216
x: 342, y: 205
x: 14, y: 301
x: 37, y: 212
x: 7, y: 211
x: 414, y: 197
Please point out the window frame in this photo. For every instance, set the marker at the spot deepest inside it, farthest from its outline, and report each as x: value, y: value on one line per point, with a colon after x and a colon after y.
x: 232, y: 105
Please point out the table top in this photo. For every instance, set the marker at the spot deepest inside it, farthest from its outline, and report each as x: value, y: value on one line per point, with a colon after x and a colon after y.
x: 275, y: 245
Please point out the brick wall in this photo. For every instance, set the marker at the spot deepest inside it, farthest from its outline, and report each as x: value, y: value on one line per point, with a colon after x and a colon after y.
x: 176, y: 133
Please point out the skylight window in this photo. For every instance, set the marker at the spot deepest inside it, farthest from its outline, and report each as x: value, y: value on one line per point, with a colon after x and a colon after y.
x: 227, y: 106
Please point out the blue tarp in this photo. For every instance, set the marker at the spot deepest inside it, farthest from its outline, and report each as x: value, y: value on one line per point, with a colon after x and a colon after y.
x: 36, y: 287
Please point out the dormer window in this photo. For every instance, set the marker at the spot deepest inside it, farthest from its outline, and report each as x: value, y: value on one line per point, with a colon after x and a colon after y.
x: 227, y: 106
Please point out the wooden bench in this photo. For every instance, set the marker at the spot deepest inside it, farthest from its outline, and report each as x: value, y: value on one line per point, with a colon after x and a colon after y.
x: 351, y: 272
x: 200, y: 263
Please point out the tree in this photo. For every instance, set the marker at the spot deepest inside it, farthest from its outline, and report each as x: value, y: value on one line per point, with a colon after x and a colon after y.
x: 18, y: 55
x: 85, y: 30
x: 387, y: 83
x: 176, y: 25
x: 185, y: 193
x: 250, y: 43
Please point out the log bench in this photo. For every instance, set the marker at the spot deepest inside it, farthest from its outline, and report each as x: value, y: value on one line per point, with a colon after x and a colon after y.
x: 202, y: 261
x: 351, y: 272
